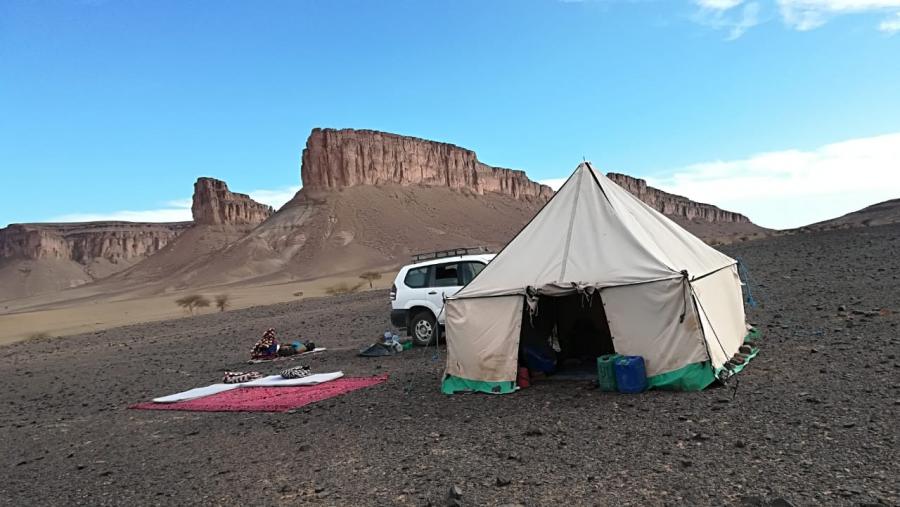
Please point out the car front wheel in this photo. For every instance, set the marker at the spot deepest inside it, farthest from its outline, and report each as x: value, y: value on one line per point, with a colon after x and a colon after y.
x: 422, y: 328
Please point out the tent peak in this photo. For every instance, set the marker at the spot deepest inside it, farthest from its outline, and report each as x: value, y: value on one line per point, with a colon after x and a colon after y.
x: 587, y: 164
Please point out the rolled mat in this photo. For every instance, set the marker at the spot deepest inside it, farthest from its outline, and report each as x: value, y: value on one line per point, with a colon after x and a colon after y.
x: 267, y: 399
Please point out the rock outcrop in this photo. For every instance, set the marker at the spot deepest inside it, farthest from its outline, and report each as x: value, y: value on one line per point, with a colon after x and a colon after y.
x: 85, y: 242
x: 214, y: 204
x: 676, y: 206
x: 335, y: 159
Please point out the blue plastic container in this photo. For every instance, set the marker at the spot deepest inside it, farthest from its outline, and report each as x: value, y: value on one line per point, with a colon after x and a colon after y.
x: 540, y: 359
x: 631, y: 376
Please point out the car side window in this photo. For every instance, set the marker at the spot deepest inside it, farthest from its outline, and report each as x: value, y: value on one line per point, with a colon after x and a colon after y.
x: 468, y: 270
x: 446, y: 275
x: 417, y: 278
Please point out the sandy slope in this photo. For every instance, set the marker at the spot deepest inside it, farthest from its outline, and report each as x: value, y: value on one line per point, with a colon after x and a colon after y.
x: 359, y: 228
x: 94, y: 313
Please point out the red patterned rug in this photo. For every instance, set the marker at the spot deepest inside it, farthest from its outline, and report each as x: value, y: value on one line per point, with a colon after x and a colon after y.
x: 267, y: 399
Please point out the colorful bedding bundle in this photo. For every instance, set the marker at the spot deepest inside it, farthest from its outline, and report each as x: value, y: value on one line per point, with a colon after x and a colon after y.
x: 267, y: 348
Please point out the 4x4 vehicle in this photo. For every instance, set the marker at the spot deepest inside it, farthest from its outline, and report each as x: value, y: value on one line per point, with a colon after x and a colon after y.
x: 417, y: 296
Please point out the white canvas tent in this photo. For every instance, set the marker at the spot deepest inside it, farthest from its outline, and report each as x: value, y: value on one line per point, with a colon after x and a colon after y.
x: 667, y: 296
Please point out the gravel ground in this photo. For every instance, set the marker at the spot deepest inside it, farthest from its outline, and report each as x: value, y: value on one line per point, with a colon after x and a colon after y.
x: 814, y: 419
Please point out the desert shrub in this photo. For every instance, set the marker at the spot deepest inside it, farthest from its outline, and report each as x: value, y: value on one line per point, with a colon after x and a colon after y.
x: 222, y: 301
x: 342, y: 288
x: 191, y: 302
x: 299, y: 294
x: 370, y: 276
x: 39, y: 336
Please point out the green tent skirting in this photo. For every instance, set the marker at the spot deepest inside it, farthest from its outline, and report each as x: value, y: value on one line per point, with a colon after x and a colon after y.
x: 693, y: 377
x: 452, y: 385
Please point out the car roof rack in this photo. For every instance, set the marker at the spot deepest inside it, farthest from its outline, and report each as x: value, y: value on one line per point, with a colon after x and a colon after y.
x: 454, y: 252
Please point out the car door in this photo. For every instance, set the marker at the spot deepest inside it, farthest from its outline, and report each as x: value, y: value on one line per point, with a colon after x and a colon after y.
x: 445, y: 281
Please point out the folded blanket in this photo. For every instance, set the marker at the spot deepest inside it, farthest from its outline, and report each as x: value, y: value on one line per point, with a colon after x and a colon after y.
x: 278, y: 380
x: 197, y: 392
x: 240, y: 377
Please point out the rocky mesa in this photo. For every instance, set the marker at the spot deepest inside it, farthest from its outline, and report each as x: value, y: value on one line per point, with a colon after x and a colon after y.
x: 41, y: 258
x: 335, y: 159
x: 676, y: 206
x: 214, y: 204
x: 84, y: 242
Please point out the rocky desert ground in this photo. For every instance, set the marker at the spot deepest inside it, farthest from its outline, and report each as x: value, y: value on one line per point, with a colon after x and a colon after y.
x: 812, y: 421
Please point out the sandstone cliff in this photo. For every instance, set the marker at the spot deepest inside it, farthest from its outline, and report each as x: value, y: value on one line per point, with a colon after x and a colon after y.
x: 84, y: 242
x: 214, y: 204
x: 676, y: 206
x: 43, y: 258
x: 335, y: 159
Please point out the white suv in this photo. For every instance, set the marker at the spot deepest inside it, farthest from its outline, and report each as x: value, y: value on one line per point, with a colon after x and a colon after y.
x: 417, y: 296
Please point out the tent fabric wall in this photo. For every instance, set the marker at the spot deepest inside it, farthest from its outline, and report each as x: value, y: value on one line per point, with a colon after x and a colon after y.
x: 678, y: 249
x: 570, y: 240
x: 483, y: 338
x: 665, y: 342
x: 721, y: 307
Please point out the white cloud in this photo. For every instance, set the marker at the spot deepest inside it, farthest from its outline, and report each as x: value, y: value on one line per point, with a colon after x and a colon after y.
x: 553, y: 183
x: 275, y: 198
x: 723, y: 15
x: 748, y: 19
x: 791, y: 188
x: 891, y: 25
x: 718, y: 4
x: 806, y: 15
x: 152, y: 215
x: 737, y: 16
x: 175, y: 210
x: 179, y: 203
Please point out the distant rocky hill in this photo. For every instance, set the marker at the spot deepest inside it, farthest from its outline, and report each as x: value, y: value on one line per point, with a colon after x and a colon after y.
x: 214, y: 204
x: 39, y: 258
x: 87, y: 242
x: 883, y: 213
x: 708, y: 222
x: 675, y: 206
x: 369, y: 200
x: 47, y: 257
x: 335, y: 159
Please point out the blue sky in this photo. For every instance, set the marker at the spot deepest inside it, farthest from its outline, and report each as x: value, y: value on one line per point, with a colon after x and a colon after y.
x: 786, y: 110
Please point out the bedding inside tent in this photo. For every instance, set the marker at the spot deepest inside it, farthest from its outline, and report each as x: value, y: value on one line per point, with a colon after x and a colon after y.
x: 565, y: 334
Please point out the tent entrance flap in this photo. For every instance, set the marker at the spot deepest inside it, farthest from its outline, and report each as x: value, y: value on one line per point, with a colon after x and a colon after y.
x: 564, y: 331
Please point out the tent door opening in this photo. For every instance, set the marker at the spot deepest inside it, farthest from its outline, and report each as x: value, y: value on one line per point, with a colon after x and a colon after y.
x: 565, y: 336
